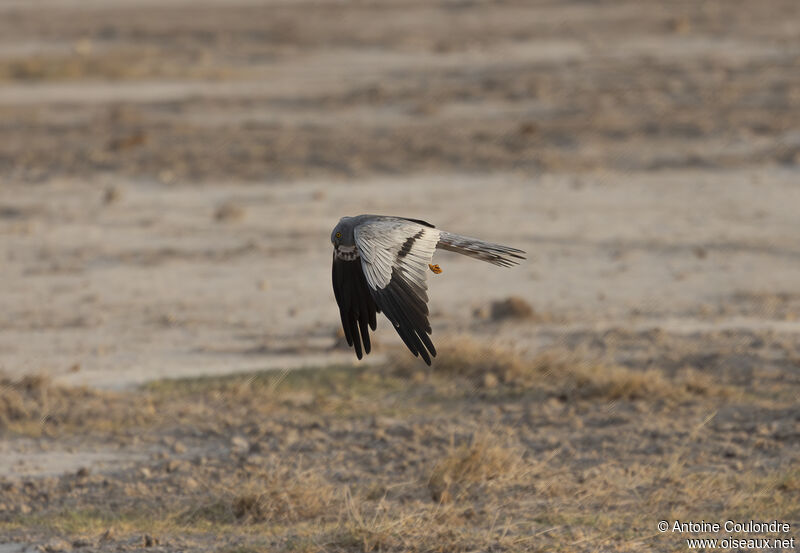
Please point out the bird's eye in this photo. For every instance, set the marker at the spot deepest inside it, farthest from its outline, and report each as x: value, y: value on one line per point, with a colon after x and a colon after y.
x: 338, y: 235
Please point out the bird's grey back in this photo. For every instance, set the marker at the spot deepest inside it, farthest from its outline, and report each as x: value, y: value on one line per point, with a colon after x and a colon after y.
x: 347, y: 225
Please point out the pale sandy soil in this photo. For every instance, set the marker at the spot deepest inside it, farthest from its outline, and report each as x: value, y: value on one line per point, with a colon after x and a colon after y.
x: 154, y: 286
x: 169, y: 176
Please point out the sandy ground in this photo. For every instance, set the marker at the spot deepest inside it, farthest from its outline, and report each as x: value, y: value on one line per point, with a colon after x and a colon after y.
x: 154, y: 285
x: 170, y: 172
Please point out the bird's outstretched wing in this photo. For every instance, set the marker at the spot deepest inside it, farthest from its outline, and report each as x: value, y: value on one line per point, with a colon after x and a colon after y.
x: 395, y: 254
x: 356, y: 306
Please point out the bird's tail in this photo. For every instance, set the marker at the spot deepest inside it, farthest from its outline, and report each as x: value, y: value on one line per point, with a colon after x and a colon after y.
x: 497, y: 254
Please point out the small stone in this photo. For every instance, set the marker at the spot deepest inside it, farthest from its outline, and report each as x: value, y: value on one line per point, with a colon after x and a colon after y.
x: 166, y: 176
x: 229, y: 212
x: 55, y: 545
x: 400, y: 430
x: 112, y: 195
x: 257, y: 460
x: 680, y: 25
x: 83, y: 46
x: 240, y: 444
x: 511, y: 308
x: 528, y: 127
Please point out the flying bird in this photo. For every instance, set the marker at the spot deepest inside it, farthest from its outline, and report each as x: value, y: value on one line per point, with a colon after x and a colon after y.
x: 380, y: 264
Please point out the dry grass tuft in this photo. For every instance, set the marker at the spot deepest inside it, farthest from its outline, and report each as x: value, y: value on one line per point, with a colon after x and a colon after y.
x: 17, y: 391
x: 371, y: 531
x: 465, y: 469
x: 615, y: 382
x: 511, y: 308
x: 790, y: 482
x: 280, y: 496
x: 468, y: 358
x: 120, y: 64
x: 559, y: 373
x: 22, y: 399
x: 285, y: 499
x: 420, y: 527
x: 34, y: 406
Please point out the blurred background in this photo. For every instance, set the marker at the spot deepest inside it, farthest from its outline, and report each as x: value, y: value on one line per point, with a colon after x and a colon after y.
x: 170, y: 172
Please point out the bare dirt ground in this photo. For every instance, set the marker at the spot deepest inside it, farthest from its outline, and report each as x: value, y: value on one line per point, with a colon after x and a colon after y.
x: 170, y: 172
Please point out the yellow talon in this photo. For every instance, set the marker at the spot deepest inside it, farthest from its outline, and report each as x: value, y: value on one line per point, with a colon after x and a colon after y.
x: 435, y: 268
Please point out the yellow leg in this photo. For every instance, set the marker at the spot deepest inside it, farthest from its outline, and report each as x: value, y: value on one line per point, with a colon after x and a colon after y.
x: 435, y: 268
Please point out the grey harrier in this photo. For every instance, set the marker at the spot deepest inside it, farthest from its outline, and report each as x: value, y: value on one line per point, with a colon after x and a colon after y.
x: 380, y: 263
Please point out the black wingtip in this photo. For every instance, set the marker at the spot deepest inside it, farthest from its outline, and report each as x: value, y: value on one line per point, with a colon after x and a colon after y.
x: 357, y: 309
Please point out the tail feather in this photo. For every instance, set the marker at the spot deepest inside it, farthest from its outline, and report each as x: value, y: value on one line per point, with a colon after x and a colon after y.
x: 496, y: 254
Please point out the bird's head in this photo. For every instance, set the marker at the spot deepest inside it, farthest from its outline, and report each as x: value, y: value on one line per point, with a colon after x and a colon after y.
x: 342, y: 234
